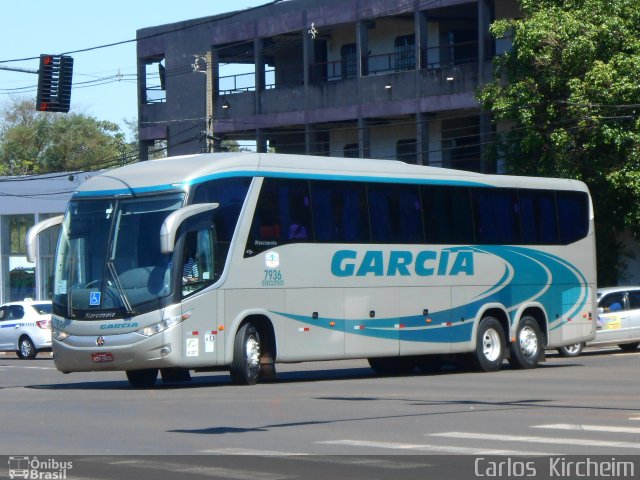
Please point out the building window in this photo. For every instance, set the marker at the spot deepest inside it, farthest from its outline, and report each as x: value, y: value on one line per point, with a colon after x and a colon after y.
x: 405, y: 52
x: 20, y: 281
x: 406, y: 150
x: 156, y: 89
x: 18, y: 226
x: 351, y: 150
x: 349, y: 64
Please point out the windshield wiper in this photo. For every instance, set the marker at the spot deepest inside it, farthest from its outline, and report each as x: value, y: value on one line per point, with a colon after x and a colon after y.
x: 116, y: 282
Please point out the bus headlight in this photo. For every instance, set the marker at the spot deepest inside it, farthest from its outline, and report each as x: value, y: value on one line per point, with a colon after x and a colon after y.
x: 59, y: 334
x: 166, y: 323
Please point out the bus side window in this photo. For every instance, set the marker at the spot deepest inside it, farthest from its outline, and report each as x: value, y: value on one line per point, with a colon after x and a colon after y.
x: 573, y: 216
x: 538, y: 218
x: 495, y: 215
x: 340, y: 212
x: 394, y: 211
x: 282, y: 215
x: 447, y: 215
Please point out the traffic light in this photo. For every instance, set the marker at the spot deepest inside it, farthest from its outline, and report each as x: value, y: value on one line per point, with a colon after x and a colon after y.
x: 54, y: 83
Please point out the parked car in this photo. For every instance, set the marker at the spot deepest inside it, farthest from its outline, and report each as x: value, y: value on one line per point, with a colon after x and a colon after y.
x: 25, y: 328
x: 618, y: 321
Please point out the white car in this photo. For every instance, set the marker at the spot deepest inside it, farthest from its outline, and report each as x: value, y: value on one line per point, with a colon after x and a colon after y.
x: 618, y: 320
x: 25, y: 328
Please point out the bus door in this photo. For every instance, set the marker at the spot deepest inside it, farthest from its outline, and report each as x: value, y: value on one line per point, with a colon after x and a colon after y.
x: 202, y: 344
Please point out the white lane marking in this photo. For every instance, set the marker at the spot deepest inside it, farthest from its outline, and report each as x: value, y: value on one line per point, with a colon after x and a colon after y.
x: 32, y: 368
x: 431, y: 448
x: 220, y: 472
x: 590, y: 428
x: 308, y: 457
x: 248, y: 451
x: 545, y: 440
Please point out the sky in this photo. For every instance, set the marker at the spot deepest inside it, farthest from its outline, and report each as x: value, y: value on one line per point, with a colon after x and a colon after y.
x: 34, y: 27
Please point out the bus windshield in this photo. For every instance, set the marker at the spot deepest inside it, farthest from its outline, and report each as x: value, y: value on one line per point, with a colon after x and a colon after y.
x: 109, y: 256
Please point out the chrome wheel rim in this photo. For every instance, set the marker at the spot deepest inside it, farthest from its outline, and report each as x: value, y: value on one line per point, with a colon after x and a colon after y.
x: 491, y: 347
x: 572, y: 349
x: 252, y: 351
x: 528, y: 341
x: 25, y: 348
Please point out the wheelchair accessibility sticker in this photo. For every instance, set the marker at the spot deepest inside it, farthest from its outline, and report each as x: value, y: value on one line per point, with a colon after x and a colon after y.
x: 94, y: 298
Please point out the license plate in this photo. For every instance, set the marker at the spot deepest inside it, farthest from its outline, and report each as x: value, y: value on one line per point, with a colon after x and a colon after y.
x: 102, y: 357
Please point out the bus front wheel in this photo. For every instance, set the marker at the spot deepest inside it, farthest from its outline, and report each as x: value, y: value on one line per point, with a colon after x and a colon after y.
x: 490, y: 346
x: 526, y: 350
x: 245, y: 368
x: 142, y: 378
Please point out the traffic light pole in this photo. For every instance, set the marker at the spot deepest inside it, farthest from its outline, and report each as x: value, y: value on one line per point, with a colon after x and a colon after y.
x: 15, y: 69
x: 54, y: 82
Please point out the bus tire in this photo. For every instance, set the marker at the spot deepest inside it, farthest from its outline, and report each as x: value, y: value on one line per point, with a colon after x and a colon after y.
x: 490, y: 346
x: 392, y: 365
x: 175, y: 375
x: 569, y: 351
x: 142, y: 378
x: 525, y: 351
x: 245, y: 368
x: 430, y: 363
x: 628, y: 347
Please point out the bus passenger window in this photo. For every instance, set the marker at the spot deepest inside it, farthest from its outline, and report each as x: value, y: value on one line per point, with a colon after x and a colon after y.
x: 340, y: 212
x: 282, y: 215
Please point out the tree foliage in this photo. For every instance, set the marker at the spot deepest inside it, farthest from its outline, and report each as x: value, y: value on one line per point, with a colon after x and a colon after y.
x: 569, y: 90
x: 33, y: 142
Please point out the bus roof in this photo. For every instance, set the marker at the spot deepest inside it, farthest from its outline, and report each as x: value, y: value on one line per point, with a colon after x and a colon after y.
x: 180, y: 172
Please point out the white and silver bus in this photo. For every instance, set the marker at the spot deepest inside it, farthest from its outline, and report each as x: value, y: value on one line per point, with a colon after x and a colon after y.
x: 241, y: 260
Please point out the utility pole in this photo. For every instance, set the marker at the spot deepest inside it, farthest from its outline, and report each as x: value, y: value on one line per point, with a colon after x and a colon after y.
x: 210, y: 106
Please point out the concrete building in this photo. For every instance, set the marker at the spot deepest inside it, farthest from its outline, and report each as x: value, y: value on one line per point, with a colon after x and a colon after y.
x: 368, y: 78
x: 26, y: 201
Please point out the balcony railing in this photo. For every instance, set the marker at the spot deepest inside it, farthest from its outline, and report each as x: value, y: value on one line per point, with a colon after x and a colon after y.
x: 432, y: 58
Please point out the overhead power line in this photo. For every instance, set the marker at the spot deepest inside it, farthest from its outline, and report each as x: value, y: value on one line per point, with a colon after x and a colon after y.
x: 216, y: 18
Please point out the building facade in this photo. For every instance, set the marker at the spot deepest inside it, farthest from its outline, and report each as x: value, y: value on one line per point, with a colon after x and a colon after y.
x: 392, y: 79
x: 26, y: 201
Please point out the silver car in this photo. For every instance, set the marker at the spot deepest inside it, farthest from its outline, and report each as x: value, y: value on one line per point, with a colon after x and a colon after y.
x: 25, y: 328
x: 618, y: 320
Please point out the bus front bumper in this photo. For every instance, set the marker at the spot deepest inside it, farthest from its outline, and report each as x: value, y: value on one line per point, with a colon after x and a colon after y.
x: 130, y: 351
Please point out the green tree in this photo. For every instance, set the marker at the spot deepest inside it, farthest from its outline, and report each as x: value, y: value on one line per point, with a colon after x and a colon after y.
x: 33, y: 142
x: 568, y: 90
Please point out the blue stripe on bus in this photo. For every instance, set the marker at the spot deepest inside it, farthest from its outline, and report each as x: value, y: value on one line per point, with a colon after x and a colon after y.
x: 313, y: 176
x: 538, y: 277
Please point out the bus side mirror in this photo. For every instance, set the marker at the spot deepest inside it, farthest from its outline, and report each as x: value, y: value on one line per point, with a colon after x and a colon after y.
x: 32, y: 235
x: 172, y: 223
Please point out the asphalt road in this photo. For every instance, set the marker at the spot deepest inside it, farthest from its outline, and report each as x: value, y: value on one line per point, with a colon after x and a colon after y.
x: 588, y: 405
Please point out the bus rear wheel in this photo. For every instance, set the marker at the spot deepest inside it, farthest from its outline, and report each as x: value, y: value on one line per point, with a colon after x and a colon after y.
x: 392, y: 365
x: 526, y: 350
x: 245, y: 368
x: 490, y: 346
x: 142, y: 378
